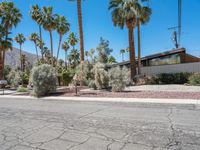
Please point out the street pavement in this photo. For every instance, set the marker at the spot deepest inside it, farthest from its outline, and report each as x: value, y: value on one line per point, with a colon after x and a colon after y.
x: 42, y: 124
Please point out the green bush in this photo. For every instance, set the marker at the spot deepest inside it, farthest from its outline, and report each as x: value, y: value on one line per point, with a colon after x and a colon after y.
x: 119, y: 78
x: 170, y: 78
x: 14, y: 78
x: 67, y: 77
x: 195, y: 79
x: 22, y: 89
x: 101, y: 77
x: 44, y: 79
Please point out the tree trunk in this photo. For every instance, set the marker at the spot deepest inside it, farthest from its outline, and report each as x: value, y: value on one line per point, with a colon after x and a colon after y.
x: 65, y: 59
x: 59, y: 44
x: 139, y: 48
x: 41, y: 46
x: 81, y: 37
x: 80, y: 29
x: 51, y: 42
x: 20, y: 53
x: 36, y: 51
x: 132, y: 53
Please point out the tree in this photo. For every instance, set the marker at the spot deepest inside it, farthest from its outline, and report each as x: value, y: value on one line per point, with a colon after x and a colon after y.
x: 47, y: 54
x: 125, y: 13
x: 65, y: 47
x: 36, y: 15
x: 74, y: 58
x: 122, y: 52
x: 62, y: 27
x: 143, y: 18
x: 111, y: 60
x: 72, y: 39
x: 48, y: 22
x: 20, y: 39
x: 35, y: 38
x: 10, y: 16
x: 23, y: 60
x: 79, y: 12
x: 103, y: 51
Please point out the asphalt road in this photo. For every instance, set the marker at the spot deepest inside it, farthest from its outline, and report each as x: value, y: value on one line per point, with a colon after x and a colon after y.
x: 67, y: 125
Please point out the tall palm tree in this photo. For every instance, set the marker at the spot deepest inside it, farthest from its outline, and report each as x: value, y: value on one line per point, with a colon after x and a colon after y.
x: 74, y: 58
x: 72, y: 39
x: 62, y: 27
x: 20, y: 39
x: 79, y: 12
x: 125, y: 13
x: 47, y: 54
x: 35, y: 38
x: 10, y: 17
x: 49, y: 24
x: 65, y: 47
x: 36, y: 15
x: 122, y: 52
x: 143, y: 18
x: 23, y: 60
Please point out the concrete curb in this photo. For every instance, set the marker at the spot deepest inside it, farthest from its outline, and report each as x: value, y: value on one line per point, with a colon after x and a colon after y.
x: 118, y: 100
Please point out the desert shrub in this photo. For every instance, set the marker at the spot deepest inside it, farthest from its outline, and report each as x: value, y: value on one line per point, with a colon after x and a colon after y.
x: 7, y: 70
x: 101, y: 77
x: 119, y: 78
x: 14, y: 78
x: 170, y: 78
x: 194, y: 79
x: 44, y: 79
x: 67, y: 77
x: 22, y: 89
x: 25, y: 78
x: 91, y: 84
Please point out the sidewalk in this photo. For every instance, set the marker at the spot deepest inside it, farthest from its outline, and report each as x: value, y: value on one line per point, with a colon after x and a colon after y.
x: 118, y: 100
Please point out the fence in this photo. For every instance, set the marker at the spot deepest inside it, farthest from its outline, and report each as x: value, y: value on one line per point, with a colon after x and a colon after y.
x: 185, y: 67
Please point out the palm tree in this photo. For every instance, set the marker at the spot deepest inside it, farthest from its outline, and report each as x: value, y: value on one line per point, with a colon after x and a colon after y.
x: 87, y: 54
x: 74, y: 58
x: 65, y: 47
x: 62, y: 27
x: 36, y: 15
x: 47, y: 54
x: 20, y: 39
x: 72, y: 39
x: 49, y: 24
x: 125, y: 13
x: 91, y: 54
x: 23, y: 60
x: 10, y: 17
x: 143, y: 18
x: 122, y: 52
x: 35, y: 38
x: 79, y: 12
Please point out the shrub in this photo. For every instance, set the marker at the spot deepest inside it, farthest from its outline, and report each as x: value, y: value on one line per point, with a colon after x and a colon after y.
x: 194, y: 79
x: 43, y: 79
x: 22, y: 89
x: 14, y: 78
x: 170, y: 78
x: 67, y: 77
x: 101, y: 77
x: 119, y: 78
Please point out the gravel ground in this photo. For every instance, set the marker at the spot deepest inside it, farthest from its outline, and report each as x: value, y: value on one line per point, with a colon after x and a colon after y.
x: 170, y: 88
x: 137, y: 94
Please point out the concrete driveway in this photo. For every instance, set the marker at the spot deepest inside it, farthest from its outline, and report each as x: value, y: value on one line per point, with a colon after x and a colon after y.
x: 66, y: 125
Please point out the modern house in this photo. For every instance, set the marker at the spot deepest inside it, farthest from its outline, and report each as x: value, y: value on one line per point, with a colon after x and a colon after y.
x: 176, y: 56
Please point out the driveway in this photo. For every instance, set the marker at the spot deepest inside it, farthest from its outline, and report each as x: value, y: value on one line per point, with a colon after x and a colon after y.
x: 68, y: 125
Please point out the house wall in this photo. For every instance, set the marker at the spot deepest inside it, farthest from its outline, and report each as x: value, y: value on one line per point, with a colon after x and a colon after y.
x: 176, y: 68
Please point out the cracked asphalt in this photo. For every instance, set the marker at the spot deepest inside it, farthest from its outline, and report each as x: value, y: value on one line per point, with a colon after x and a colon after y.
x: 68, y: 125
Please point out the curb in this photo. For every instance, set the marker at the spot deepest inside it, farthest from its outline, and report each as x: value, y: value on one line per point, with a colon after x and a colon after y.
x: 117, y: 100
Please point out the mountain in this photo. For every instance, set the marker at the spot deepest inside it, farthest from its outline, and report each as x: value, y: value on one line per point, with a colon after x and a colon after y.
x: 12, y: 57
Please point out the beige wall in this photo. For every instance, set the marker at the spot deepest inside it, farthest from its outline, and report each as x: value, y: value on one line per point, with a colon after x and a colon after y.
x: 186, y: 67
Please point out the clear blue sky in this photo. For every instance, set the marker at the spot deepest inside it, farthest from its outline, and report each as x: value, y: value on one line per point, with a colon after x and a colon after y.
x: 97, y: 23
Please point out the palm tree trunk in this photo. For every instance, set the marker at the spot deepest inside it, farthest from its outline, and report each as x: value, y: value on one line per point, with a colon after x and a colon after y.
x: 51, y: 42
x: 59, y: 44
x: 81, y: 36
x: 132, y: 53
x: 36, y: 52
x: 139, y: 48
x: 80, y: 28
x: 42, y: 51
x: 65, y: 59
x: 20, y: 53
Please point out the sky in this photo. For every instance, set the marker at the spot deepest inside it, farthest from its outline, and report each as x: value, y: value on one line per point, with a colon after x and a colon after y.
x: 97, y: 22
